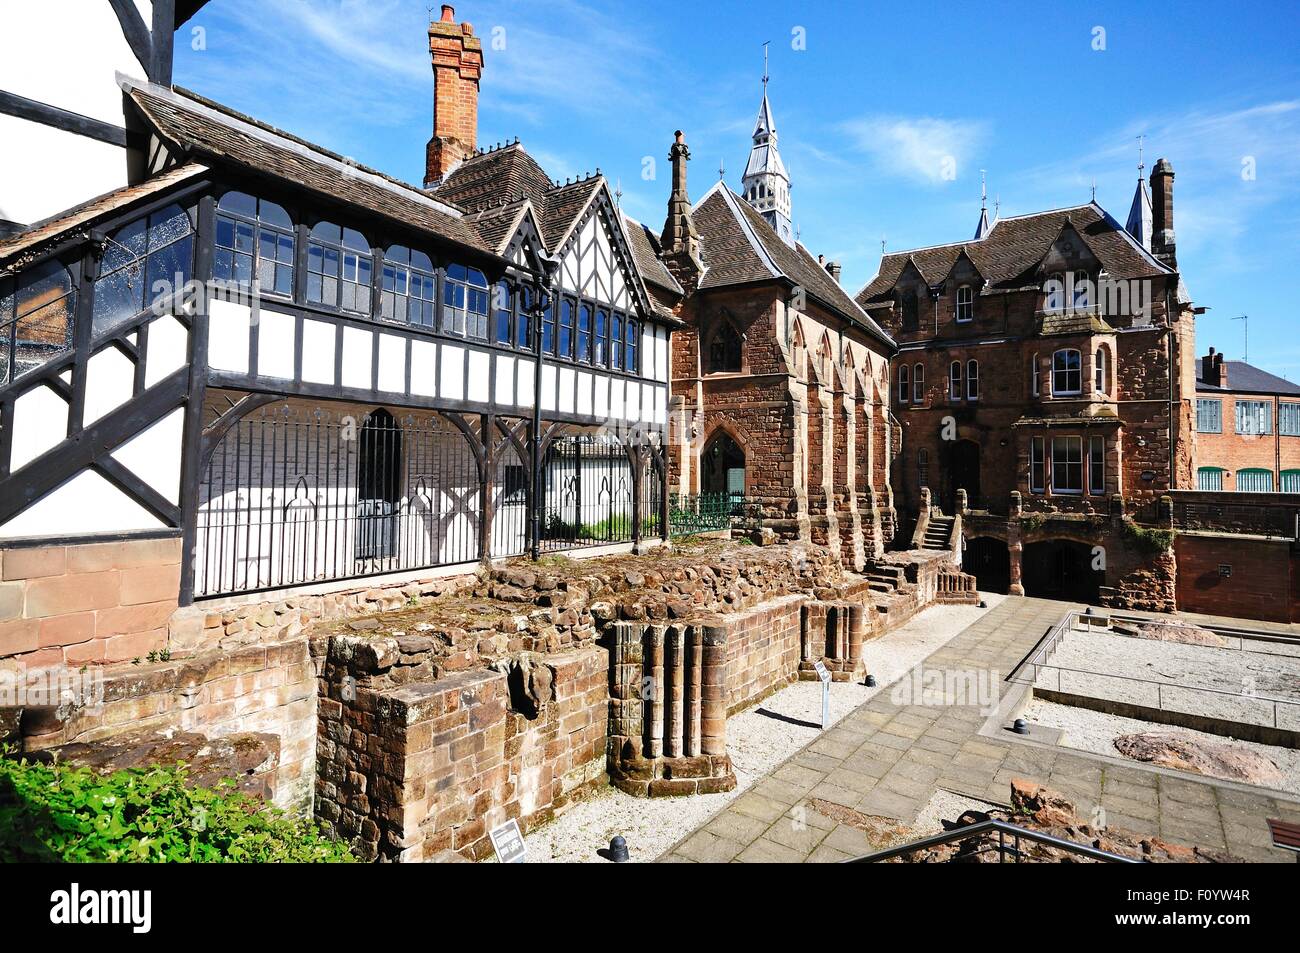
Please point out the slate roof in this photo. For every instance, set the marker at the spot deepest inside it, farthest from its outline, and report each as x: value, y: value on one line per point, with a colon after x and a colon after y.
x: 739, y: 246
x: 200, y: 127
x: 39, y: 233
x: 1248, y: 378
x: 645, y: 249
x: 1009, y: 255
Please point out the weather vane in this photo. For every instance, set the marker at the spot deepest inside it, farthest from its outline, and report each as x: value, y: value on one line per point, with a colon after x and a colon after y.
x: 766, y: 44
x: 1141, y: 160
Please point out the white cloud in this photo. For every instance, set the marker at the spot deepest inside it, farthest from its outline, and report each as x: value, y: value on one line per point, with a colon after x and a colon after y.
x: 924, y: 149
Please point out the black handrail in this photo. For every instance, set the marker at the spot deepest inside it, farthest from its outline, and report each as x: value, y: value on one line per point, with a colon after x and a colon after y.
x: 1003, y: 829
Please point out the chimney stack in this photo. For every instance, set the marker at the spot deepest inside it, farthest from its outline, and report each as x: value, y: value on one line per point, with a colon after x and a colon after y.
x: 1213, y: 370
x: 457, y: 56
x: 832, y: 268
x: 1163, y: 244
x: 680, y: 242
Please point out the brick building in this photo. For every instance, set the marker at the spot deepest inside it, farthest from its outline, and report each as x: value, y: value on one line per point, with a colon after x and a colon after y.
x: 1247, y: 428
x: 779, y: 379
x: 1045, y: 375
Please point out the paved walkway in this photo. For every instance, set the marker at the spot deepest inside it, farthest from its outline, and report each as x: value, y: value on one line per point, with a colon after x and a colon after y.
x: 888, y: 760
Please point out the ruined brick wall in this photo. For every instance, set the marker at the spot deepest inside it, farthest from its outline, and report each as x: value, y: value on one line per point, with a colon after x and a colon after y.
x: 268, y: 689
x: 411, y: 764
x: 87, y: 603
x: 763, y: 651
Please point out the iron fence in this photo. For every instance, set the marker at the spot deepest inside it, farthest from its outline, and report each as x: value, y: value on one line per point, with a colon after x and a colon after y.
x: 295, y: 495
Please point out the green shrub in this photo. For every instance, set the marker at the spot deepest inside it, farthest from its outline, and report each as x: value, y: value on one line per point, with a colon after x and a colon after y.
x: 1147, y: 540
x: 53, y: 812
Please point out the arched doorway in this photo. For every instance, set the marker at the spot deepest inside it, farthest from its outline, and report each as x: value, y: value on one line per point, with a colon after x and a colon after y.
x: 989, y: 561
x: 379, y: 481
x: 1061, y: 569
x: 722, y: 466
x: 963, y: 473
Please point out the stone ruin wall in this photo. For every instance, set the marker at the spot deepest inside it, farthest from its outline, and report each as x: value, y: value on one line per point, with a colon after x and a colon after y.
x: 416, y: 716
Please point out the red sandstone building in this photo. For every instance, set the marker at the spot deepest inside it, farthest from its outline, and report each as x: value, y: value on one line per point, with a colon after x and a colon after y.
x: 1247, y: 428
x: 1045, y: 367
x: 779, y: 379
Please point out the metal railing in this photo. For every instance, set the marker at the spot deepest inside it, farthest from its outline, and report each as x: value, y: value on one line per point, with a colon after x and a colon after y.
x: 692, y: 514
x: 1037, y: 664
x: 1005, y: 832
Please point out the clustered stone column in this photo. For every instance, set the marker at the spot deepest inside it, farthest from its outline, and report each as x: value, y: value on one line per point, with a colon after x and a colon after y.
x: 668, y: 714
x: 832, y: 632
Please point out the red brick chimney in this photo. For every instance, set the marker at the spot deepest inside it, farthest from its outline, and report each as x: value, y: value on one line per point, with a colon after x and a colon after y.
x: 457, y: 56
x: 1162, y: 213
x: 1213, y: 370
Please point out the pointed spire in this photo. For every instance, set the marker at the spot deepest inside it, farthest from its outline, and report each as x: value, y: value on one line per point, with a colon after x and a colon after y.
x: 766, y: 184
x: 1139, y: 223
x: 984, y: 226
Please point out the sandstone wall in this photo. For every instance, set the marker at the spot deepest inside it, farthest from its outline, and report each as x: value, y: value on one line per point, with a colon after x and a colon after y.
x: 411, y: 765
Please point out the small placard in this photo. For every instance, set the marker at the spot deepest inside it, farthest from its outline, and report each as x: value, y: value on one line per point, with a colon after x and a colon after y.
x: 508, y: 842
x: 1225, y: 570
x: 822, y: 671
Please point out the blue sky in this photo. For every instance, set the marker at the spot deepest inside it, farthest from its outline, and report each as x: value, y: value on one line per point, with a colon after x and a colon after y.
x: 867, y: 110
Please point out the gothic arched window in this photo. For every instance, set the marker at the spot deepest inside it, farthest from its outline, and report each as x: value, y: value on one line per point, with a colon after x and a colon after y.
x: 724, y: 349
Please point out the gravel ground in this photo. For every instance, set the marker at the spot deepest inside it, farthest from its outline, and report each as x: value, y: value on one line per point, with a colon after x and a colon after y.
x: 946, y: 806
x: 758, y: 741
x: 1251, y: 680
x: 1095, y: 731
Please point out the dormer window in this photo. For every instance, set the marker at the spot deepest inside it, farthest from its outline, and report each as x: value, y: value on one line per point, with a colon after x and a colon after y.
x: 1067, y: 376
x: 1055, y: 299
x: 965, y: 303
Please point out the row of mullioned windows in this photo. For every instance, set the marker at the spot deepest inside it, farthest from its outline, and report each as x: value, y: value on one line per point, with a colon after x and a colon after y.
x: 255, y: 247
x: 1058, y: 464
x: 1066, y: 377
x: 1251, y: 417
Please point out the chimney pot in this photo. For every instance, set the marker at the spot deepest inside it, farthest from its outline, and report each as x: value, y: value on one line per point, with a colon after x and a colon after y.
x: 448, y: 13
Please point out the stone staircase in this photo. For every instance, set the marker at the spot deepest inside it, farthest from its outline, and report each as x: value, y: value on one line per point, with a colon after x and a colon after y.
x: 938, y: 532
x: 885, y: 579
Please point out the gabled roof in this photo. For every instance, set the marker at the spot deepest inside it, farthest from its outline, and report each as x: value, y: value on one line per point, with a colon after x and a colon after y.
x: 508, y: 174
x: 1248, y: 378
x: 739, y: 246
x: 197, y: 126
x: 1009, y: 255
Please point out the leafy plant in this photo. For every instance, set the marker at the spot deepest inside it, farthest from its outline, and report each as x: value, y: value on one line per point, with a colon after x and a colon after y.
x: 1148, y: 540
x: 54, y: 812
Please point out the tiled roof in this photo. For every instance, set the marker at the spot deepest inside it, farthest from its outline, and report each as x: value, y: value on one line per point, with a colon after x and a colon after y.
x: 508, y: 172
x: 1009, y: 255
x: 645, y: 249
x: 1247, y: 377
x: 87, y: 212
x: 496, y: 224
x: 206, y: 129
x: 739, y: 246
